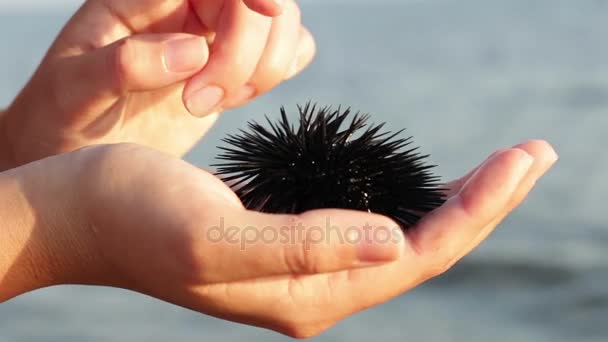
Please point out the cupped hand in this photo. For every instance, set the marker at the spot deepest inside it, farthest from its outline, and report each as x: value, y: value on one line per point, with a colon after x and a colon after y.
x: 145, y: 71
x: 152, y: 223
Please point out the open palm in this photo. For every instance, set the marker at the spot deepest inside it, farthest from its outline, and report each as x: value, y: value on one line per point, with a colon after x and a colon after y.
x: 155, y: 220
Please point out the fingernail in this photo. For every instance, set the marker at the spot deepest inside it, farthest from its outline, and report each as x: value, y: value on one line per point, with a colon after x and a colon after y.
x: 184, y: 54
x: 377, y: 247
x: 525, y: 163
x: 203, y: 101
x: 243, y: 95
x: 554, y: 155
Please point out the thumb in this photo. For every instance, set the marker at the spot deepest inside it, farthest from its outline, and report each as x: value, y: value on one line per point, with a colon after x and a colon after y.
x: 248, y: 245
x: 137, y: 63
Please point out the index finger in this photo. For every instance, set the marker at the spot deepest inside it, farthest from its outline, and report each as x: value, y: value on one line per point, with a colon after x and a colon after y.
x: 441, y: 235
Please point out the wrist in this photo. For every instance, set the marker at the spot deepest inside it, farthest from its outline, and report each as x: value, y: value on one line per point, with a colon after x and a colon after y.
x: 20, y: 271
x: 44, y: 240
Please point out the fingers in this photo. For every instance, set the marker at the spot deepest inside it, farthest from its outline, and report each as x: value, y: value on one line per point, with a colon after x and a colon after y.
x: 166, y: 16
x: 442, y: 235
x: 239, y: 44
x: 276, y: 68
x: 287, y: 49
x: 246, y: 245
x: 394, y: 274
x: 209, y: 11
x: 251, y: 53
x: 137, y: 63
x: 453, y: 187
x: 278, y: 57
x: 544, y: 158
x: 305, y: 53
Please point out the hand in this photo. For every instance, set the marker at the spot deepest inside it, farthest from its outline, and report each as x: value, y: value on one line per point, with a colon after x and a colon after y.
x: 144, y: 221
x: 131, y: 71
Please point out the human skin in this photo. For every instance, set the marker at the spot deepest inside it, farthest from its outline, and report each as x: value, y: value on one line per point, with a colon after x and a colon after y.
x: 134, y: 71
x: 130, y: 217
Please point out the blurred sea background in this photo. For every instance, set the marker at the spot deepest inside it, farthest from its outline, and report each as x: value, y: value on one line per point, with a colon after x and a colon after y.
x: 465, y: 77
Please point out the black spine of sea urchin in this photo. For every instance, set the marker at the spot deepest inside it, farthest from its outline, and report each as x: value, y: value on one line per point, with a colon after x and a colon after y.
x: 320, y: 164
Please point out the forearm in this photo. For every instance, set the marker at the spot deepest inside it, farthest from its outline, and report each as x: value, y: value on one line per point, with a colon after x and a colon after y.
x: 17, y: 225
x: 44, y: 240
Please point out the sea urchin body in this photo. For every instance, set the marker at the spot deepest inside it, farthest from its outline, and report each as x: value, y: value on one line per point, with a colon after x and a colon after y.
x: 331, y: 160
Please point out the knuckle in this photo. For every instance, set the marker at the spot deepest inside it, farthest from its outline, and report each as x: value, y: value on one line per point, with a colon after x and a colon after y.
x: 299, y: 256
x: 299, y: 259
x: 299, y: 316
x: 235, y: 69
x: 274, y: 73
x: 120, y: 65
x: 192, y: 261
x: 469, y: 204
x: 58, y: 90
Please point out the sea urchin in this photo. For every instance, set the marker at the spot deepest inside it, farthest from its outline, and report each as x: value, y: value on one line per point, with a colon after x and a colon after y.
x: 332, y: 160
